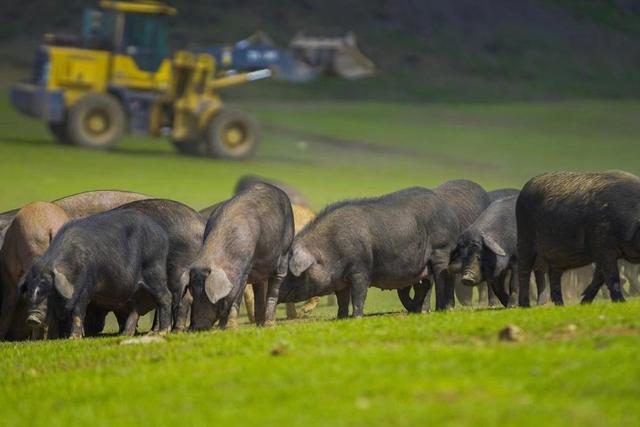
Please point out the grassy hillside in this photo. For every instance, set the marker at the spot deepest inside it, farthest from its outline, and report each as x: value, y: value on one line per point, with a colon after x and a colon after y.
x: 436, y: 50
x: 336, y: 150
x: 573, y: 365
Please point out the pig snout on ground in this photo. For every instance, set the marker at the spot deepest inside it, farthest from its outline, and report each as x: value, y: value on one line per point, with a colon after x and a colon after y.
x: 126, y: 247
x: 401, y: 234
x: 247, y: 240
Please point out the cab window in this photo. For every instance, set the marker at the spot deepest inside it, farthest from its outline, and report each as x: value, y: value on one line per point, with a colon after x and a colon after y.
x: 145, y: 39
x: 98, y: 29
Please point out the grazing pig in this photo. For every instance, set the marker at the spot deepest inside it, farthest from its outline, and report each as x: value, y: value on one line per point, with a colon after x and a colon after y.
x: 487, y: 251
x: 27, y: 238
x: 566, y: 220
x: 185, y: 229
x: 247, y: 239
x: 467, y: 200
x: 111, y: 260
x: 301, y: 217
x: 385, y: 241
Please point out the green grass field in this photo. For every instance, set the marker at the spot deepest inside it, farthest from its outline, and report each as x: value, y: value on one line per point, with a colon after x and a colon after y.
x: 574, y: 366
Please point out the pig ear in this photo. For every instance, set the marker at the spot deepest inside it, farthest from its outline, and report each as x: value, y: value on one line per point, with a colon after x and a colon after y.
x: 300, y: 261
x: 493, y: 245
x: 217, y: 285
x: 62, y: 285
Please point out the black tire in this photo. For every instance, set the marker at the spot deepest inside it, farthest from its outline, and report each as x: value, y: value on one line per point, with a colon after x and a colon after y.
x: 59, y: 131
x: 190, y: 148
x: 97, y: 120
x: 232, y: 135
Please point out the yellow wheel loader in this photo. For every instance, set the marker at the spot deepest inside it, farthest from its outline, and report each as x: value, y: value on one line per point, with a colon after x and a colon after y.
x: 119, y: 77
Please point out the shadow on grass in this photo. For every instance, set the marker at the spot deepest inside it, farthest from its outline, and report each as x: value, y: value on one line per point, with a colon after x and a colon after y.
x: 16, y: 140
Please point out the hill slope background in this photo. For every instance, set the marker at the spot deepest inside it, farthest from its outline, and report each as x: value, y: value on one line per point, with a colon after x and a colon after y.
x: 425, y: 50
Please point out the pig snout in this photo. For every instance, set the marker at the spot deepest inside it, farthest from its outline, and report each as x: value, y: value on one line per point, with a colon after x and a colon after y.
x: 35, y: 319
x: 470, y: 278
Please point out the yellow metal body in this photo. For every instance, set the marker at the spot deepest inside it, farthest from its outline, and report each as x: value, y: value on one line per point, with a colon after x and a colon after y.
x: 151, y: 7
x: 192, y: 95
x: 184, y: 87
x: 78, y: 71
x: 186, y: 84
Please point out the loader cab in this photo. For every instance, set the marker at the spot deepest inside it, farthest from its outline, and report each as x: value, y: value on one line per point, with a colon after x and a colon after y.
x: 137, y: 30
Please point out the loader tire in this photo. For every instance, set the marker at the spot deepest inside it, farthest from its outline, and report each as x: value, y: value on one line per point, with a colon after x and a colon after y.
x: 97, y: 120
x: 232, y: 135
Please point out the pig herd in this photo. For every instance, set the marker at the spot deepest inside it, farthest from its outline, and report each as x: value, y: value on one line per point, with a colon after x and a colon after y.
x: 66, y: 264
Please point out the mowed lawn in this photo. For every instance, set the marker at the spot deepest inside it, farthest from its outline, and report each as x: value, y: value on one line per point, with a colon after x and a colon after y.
x: 573, y: 365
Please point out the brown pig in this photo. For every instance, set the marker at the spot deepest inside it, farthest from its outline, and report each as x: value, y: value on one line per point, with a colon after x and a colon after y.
x: 27, y: 238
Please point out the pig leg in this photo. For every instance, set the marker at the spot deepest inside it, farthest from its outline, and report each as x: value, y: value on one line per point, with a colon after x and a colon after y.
x: 344, y: 298
x: 131, y: 323
x: 413, y: 305
x: 420, y: 293
x: 497, y: 284
x: 526, y: 259
x: 441, y: 278
x: 291, y: 311
x: 122, y: 317
x: 634, y: 284
x: 591, y: 291
x: 541, y: 286
x: 231, y: 308
x: 404, y: 294
x: 555, y: 284
x: 249, y: 302
x: 273, y: 290
x: 492, y: 297
x: 155, y: 282
x: 9, y: 303
x: 260, y: 300
x: 94, y: 321
x: 78, y: 315
x: 445, y: 283
x: 426, y: 285
x: 612, y: 279
x: 234, y: 313
x: 178, y: 280
x: 183, y: 312
x: 513, y: 284
x: 359, y: 287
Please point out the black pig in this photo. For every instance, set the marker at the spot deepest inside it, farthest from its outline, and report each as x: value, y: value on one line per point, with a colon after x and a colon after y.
x: 567, y: 220
x: 105, y: 260
x: 387, y: 242
x: 247, y: 238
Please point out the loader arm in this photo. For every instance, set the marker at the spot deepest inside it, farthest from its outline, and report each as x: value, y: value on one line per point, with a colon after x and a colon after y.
x: 237, y: 79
